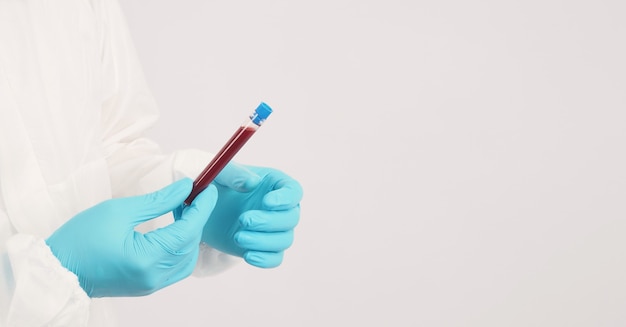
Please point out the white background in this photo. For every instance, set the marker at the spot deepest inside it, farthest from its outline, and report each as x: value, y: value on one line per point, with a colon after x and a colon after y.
x: 463, y: 161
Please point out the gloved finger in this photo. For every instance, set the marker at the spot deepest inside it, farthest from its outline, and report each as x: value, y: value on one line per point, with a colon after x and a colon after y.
x: 266, y: 242
x: 270, y: 221
x: 264, y: 259
x: 238, y: 178
x: 286, y: 194
x: 187, y: 230
x: 155, y: 204
x: 178, y: 211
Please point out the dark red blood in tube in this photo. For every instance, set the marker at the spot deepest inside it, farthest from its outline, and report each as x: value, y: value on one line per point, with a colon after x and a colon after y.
x: 221, y: 159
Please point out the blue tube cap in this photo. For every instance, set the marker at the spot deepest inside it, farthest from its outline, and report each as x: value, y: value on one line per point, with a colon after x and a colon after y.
x: 261, y: 113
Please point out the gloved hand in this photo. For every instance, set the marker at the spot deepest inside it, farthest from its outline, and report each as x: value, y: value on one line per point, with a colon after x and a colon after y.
x: 255, y: 215
x: 110, y: 258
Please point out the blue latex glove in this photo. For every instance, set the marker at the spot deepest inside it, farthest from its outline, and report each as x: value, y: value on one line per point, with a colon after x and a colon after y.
x: 110, y: 258
x: 256, y: 213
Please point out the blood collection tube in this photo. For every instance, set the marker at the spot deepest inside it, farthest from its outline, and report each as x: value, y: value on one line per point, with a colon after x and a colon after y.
x: 228, y: 151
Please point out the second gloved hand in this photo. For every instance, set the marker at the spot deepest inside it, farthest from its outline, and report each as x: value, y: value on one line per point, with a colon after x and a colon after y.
x: 255, y: 216
x: 110, y: 258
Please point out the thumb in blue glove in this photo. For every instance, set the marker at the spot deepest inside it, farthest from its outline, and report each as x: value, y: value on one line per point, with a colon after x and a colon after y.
x: 100, y: 245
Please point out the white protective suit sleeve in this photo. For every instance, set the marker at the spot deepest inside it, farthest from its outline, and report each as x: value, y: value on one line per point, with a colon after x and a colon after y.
x: 36, y: 290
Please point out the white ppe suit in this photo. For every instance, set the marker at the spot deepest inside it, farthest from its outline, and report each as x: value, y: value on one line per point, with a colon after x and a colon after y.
x: 73, y: 108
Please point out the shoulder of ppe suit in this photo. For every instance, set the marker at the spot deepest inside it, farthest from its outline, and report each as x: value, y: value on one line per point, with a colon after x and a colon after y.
x: 30, y: 255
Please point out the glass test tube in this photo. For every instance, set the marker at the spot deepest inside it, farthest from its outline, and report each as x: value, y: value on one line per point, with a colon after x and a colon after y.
x: 228, y: 151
